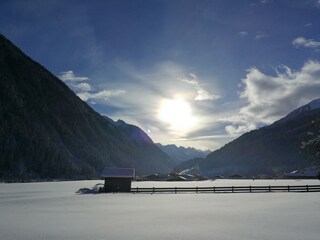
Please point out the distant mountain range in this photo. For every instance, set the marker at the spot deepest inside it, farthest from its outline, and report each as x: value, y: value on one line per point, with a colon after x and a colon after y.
x: 48, y: 132
x: 289, y: 144
x: 180, y: 154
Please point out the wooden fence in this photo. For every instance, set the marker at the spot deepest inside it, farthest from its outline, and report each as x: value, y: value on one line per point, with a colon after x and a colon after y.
x: 232, y: 189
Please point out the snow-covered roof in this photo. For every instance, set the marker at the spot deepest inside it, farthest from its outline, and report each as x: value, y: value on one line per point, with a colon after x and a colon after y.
x: 307, y: 172
x: 118, y: 172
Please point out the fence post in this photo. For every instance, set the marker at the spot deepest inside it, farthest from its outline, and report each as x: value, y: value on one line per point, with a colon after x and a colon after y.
x: 307, y: 188
x: 288, y: 188
x: 153, y: 189
x: 137, y: 189
x: 175, y: 190
x: 214, y: 189
x: 269, y: 188
x: 232, y: 189
x: 196, y: 189
x: 250, y: 188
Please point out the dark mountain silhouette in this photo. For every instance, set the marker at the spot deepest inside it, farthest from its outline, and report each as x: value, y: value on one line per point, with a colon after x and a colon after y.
x: 190, y: 166
x: 133, y: 132
x: 46, y: 131
x: 288, y: 144
x: 181, y: 154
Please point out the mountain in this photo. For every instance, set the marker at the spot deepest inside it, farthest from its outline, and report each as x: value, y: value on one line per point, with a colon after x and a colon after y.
x: 313, y: 105
x: 190, y: 166
x: 132, y: 131
x: 48, y: 132
x: 180, y: 154
x: 286, y: 145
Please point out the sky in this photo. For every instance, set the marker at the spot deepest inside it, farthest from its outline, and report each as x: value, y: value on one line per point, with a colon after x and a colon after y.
x: 191, y: 73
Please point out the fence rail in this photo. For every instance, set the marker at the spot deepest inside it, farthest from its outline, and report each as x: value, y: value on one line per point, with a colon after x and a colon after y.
x: 232, y: 189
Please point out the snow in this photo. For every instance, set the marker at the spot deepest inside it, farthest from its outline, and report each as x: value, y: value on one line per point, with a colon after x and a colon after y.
x: 314, y: 104
x: 53, y: 210
x: 227, y: 183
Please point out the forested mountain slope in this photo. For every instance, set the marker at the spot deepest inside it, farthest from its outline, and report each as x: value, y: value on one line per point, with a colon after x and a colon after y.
x: 46, y: 131
x: 288, y: 144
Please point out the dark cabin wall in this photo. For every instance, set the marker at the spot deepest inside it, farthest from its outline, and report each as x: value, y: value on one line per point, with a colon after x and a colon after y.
x: 117, y: 184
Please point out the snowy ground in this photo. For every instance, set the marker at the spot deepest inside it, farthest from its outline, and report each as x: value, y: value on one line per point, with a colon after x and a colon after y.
x: 34, y: 211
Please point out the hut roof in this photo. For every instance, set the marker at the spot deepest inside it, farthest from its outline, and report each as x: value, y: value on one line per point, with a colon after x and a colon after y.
x: 118, y: 172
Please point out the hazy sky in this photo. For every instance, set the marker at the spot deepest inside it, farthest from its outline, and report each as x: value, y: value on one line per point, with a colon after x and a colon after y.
x: 194, y: 73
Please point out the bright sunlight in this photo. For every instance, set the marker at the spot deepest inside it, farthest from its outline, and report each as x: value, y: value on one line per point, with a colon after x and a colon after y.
x: 176, y: 112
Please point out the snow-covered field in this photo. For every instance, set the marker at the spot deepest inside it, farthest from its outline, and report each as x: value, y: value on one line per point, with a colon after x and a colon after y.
x: 53, y: 210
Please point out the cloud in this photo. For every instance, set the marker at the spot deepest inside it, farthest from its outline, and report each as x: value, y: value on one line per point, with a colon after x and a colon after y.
x: 84, y: 87
x: 69, y: 76
x: 260, y: 35
x: 73, y: 81
x: 260, y: 3
x: 202, y: 94
x: 268, y: 98
x: 85, y: 91
x: 148, y: 88
x: 137, y: 95
x: 263, y: 2
x: 102, y: 95
x: 243, y: 34
x: 307, y: 43
x: 235, y: 130
x: 308, y: 25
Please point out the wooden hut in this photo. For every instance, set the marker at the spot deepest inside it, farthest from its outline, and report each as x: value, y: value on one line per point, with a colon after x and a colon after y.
x: 117, y: 179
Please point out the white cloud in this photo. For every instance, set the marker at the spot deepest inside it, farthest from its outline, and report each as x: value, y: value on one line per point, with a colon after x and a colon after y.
x: 73, y: 81
x: 69, y: 76
x: 235, y: 130
x: 308, y: 25
x: 202, y: 94
x: 307, y: 43
x: 260, y: 35
x: 243, y: 34
x: 84, y: 90
x: 102, y: 95
x: 271, y: 97
x: 268, y: 98
x: 147, y: 89
x: 265, y: 1
x: 84, y: 87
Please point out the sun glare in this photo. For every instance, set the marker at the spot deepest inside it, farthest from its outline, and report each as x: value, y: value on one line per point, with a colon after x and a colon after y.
x: 177, y: 113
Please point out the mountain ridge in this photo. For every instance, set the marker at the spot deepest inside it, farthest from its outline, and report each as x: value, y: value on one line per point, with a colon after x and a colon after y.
x: 49, y: 132
x: 180, y: 154
x: 133, y: 131
x: 271, y: 150
x: 304, y: 109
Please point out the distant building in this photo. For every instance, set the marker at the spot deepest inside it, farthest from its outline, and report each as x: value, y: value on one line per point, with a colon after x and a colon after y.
x: 236, y: 176
x: 118, y: 179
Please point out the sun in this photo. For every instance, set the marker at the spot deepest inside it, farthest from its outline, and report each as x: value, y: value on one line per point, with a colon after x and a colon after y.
x: 177, y: 113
